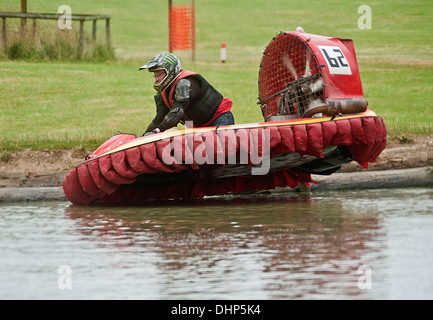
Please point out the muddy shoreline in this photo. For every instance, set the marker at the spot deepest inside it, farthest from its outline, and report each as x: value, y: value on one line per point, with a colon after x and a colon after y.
x: 38, y: 174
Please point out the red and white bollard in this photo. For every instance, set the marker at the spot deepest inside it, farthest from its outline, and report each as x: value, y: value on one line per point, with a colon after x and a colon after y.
x: 223, y: 52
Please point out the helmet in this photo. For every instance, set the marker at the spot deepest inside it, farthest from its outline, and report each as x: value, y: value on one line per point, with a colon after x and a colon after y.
x: 167, y: 62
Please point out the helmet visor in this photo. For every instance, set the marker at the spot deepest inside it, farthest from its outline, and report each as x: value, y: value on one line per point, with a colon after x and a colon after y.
x: 160, y: 76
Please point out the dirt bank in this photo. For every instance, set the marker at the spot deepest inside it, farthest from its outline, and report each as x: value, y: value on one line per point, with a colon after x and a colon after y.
x: 46, y: 168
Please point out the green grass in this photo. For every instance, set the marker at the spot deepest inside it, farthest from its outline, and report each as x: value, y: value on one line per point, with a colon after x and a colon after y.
x: 81, y: 104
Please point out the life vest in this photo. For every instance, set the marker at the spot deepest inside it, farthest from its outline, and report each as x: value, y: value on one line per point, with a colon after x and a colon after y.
x: 203, y: 107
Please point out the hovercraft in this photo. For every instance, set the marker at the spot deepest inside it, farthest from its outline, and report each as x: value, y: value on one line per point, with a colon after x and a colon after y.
x: 316, y: 120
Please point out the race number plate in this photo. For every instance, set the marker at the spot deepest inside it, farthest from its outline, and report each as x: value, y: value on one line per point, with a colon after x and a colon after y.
x: 337, y: 62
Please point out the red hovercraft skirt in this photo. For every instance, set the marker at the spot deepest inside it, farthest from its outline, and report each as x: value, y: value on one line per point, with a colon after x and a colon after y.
x: 131, y: 170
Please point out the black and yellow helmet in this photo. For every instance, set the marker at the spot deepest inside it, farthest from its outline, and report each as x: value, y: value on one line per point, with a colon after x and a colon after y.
x: 164, y: 61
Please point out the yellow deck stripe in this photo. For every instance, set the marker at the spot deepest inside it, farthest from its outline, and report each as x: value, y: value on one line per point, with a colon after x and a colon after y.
x: 177, y: 132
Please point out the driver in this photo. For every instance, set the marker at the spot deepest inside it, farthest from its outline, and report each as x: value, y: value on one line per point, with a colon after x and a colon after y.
x: 184, y: 95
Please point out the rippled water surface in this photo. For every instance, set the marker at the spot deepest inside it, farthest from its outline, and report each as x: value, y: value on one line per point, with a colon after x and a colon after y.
x: 375, y: 244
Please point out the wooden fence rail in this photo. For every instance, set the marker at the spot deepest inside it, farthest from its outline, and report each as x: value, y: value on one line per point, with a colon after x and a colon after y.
x: 79, y: 17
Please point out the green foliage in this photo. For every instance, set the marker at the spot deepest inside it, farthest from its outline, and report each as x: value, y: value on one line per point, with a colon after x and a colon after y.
x: 5, y: 156
x: 45, y: 42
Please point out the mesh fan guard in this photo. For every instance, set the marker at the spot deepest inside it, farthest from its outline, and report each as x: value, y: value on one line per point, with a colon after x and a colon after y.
x: 289, y: 77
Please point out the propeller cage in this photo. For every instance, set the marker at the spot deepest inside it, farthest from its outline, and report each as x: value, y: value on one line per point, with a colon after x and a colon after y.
x: 300, y: 72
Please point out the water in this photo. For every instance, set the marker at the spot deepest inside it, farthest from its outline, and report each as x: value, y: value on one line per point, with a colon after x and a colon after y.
x: 374, y: 244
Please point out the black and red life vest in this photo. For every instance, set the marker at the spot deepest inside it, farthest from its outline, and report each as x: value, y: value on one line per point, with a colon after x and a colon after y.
x: 205, y: 107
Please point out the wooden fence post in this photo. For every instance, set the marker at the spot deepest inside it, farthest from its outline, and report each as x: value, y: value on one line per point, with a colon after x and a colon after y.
x: 107, y: 32
x: 193, y: 31
x: 94, y: 30
x: 170, y: 6
x: 23, y: 10
x: 81, y: 38
x: 4, y: 32
x: 34, y: 27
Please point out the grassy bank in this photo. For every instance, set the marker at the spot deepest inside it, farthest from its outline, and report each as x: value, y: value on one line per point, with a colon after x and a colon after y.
x: 79, y: 105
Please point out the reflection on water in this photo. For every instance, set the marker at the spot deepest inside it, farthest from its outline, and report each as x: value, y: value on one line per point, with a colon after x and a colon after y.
x: 258, y: 246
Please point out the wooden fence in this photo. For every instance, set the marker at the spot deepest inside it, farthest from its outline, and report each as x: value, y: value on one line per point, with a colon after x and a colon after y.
x: 80, y: 17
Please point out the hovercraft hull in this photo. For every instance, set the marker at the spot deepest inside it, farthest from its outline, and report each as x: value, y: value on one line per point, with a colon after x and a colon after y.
x: 218, y: 161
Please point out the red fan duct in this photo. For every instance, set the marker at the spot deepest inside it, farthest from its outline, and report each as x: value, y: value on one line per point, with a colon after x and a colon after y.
x: 300, y: 72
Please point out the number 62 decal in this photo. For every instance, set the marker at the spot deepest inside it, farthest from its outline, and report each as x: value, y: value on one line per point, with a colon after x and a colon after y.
x: 335, y: 59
